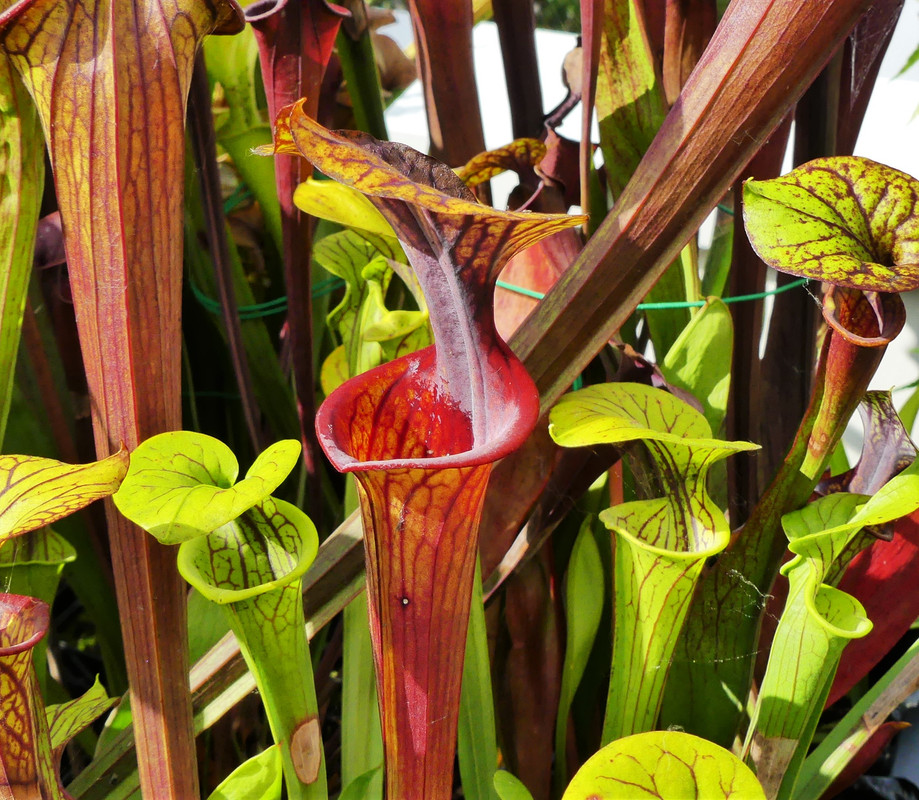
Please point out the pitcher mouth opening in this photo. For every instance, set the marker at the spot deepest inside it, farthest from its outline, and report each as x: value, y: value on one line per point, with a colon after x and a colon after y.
x: 864, y: 318
x: 397, y: 416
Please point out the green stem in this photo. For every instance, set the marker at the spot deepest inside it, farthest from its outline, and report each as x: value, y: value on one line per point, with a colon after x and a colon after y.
x: 807, y: 645
x: 278, y: 656
x: 359, y: 67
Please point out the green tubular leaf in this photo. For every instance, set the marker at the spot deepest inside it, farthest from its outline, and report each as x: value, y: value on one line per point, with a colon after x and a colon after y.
x: 231, y: 62
x: 700, y: 360
x: 816, y: 624
x: 845, y: 220
x: 39, y: 491
x: 270, y: 545
x: 21, y: 180
x: 259, y: 778
x: 180, y: 484
x: 253, y: 566
x: 661, y: 543
x: 669, y: 765
x: 656, y: 568
x: 584, y: 597
x: 339, y: 203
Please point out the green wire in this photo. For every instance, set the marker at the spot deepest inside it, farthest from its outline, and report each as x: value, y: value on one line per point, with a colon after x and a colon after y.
x: 240, y: 195
x: 741, y: 298
x: 279, y: 305
x: 269, y: 307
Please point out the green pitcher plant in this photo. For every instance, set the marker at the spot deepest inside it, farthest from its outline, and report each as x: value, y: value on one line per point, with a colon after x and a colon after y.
x: 817, y: 623
x: 246, y: 551
x: 661, y: 541
x: 846, y: 221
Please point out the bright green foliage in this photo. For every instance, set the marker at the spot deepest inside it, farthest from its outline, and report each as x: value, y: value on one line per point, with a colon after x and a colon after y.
x: 627, y: 412
x: 240, y: 125
x: 252, y: 566
x: 584, y: 595
x: 370, y: 332
x: 31, y: 564
x: 362, y: 787
x: 21, y: 180
x: 477, y: 746
x: 817, y: 622
x: 259, y: 778
x: 39, y: 491
x: 510, y: 787
x: 668, y: 765
x: 661, y: 543
x: 181, y: 484
x: 845, y: 220
x: 700, y: 360
x: 247, y: 551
